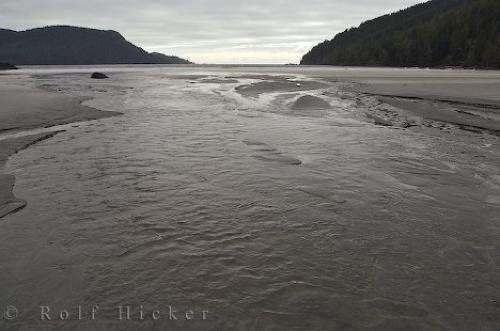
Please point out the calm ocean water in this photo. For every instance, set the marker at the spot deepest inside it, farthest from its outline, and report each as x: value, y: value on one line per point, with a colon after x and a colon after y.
x: 239, y: 210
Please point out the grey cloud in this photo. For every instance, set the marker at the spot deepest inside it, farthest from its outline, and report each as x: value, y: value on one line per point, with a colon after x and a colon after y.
x: 207, y: 31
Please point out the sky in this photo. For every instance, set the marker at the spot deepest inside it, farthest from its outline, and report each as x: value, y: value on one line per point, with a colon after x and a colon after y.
x: 207, y: 31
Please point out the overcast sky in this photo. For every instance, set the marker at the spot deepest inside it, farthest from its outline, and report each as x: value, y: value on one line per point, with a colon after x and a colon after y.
x: 207, y: 31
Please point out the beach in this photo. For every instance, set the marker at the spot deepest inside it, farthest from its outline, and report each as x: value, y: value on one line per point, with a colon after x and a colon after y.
x: 28, y: 108
x: 472, y: 102
x: 258, y: 197
x: 24, y: 107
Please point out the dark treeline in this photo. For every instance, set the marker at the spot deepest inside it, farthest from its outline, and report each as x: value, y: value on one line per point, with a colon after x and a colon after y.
x: 7, y: 66
x: 73, y: 45
x: 437, y: 33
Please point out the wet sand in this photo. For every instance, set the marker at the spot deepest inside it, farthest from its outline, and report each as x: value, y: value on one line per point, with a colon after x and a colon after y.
x: 8, y: 202
x: 25, y: 108
x: 274, y: 85
x: 479, y: 91
x: 472, y: 103
x: 466, y: 99
x: 273, y: 205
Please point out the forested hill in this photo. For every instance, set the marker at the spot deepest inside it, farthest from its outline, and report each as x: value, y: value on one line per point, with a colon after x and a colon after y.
x: 73, y: 45
x: 433, y: 34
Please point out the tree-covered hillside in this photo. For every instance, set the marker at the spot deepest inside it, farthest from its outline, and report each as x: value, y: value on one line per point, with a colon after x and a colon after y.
x: 432, y: 34
x: 72, y: 45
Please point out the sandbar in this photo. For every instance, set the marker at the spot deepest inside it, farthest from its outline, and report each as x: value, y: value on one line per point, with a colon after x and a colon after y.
x: 24, y: 107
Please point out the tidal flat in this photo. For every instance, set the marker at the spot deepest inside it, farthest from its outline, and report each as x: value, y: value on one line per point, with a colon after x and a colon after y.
x: 271, y: 198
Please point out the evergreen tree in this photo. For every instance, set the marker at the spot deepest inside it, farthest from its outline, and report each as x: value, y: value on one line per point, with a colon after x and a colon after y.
x: 432, y: 34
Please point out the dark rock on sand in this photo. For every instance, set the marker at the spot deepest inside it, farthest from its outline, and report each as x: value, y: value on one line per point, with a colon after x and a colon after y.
x: 7, y: 66
x: 98, y: 75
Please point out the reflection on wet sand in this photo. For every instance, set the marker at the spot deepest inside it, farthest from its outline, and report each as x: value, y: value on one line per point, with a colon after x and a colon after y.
x: 270, y: 205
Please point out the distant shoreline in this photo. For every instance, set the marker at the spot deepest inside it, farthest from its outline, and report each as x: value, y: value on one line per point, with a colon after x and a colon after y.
x: 257, y: 65
x: 396, y: 67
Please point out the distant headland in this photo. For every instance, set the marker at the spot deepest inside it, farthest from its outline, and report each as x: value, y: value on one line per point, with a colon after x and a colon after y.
x: 69, y: 45
x: 437, y: 33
